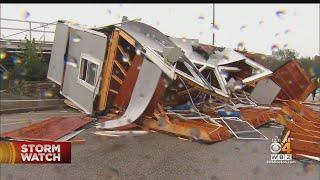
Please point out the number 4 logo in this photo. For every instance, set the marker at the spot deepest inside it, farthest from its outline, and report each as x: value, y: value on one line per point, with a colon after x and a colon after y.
x: 286, y: 147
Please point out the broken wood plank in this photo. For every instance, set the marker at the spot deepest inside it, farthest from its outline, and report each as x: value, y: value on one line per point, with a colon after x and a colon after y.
x: 304, y: 111
x: 160, y: 117
x: 206, y: 133
x: 299, y: 120
x: 292, y: 126
x: 304, y: 137
x: 305, y: 147
x: 258, y: 117
x: 128, y: 38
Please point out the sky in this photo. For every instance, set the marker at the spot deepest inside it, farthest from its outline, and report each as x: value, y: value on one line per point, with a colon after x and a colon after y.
x: 259, y: 27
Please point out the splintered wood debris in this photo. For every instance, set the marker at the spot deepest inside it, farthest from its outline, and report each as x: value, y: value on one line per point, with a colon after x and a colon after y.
x: 138, y: 79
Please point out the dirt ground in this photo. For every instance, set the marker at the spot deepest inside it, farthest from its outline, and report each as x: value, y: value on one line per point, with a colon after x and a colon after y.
x: 157, y: 156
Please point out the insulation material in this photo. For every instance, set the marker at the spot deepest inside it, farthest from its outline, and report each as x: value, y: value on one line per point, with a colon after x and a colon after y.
x: 143, y: 91
x: 295, y: 83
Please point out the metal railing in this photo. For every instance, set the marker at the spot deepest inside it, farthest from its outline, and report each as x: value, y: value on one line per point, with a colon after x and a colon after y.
x: 30, y: 30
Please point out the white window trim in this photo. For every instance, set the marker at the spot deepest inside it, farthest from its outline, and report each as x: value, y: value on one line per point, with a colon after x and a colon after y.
x: 94, y: 61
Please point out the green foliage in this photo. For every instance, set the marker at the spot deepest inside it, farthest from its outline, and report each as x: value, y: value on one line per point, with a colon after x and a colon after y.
x: 285, y: 54
x: 280, y: 57
x: 33, y: 66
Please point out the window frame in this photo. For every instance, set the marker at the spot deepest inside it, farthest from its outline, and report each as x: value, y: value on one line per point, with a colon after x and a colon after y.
x: 93, y: 60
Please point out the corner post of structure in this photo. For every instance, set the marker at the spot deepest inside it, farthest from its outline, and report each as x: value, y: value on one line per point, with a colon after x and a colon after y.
x: 107, y: 70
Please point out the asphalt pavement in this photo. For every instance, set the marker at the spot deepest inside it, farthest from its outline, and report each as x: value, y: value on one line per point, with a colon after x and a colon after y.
x: 157, y: 156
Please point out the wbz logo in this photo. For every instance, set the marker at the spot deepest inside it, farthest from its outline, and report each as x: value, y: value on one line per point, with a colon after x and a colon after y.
x: 281, y: 151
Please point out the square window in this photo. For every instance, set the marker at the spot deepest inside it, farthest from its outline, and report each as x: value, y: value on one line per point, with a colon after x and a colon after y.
x: 88, y: 71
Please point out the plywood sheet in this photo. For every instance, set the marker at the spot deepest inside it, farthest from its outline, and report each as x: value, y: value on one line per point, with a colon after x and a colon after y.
x: 48, y: 130
x: 295, y: 83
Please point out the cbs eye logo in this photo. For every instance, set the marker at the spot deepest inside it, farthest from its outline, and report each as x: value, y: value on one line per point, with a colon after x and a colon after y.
x: 276, y: 148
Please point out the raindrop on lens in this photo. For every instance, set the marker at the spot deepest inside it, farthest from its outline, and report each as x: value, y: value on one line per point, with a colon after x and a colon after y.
x: 125, y: 58
x: 75, y: 38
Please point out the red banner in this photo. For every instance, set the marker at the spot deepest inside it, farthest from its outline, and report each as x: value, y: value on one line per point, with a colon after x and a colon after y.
x: 35, y: 152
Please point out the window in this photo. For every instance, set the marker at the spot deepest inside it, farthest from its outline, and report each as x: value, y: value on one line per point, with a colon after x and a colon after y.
x: 88, y: 70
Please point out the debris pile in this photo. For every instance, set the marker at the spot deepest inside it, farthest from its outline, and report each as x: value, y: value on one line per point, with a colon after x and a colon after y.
x: 132, y: 75
x: 302, y: 128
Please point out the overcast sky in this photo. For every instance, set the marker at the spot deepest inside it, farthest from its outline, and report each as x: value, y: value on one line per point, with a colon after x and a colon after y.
x: 296, y: 27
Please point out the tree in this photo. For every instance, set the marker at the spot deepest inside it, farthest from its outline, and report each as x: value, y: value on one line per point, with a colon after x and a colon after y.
x: 285, y: 54
x: 33, y: 66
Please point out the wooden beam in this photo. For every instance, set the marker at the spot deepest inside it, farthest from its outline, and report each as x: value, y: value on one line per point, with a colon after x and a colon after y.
x: 124, y: 72
x: 258, y: 117
x: 107, y: 70
x: 299, y: 120
x: 113, y: 91
x: 124, y: 53
x: 116, y: 78
x: 304, y: 111
x: 128, y: 38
